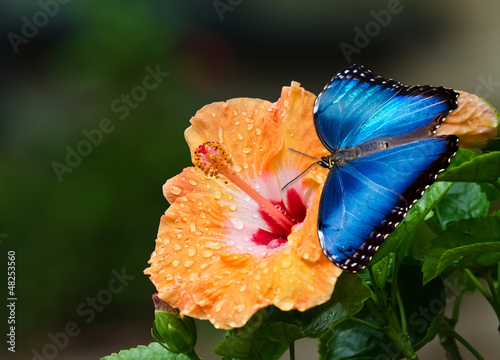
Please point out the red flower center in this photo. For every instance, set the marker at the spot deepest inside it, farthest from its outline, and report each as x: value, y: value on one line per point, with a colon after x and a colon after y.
x: 296, y: 212
x: 214, y: 161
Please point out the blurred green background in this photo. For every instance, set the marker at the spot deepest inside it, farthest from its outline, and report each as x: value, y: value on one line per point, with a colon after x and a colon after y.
x: 77, y: 64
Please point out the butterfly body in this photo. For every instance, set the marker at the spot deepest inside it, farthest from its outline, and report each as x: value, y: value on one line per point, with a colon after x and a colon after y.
x: 383, y: 156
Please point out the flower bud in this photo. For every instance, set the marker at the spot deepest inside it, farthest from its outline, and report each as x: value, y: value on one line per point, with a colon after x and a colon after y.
x: 474, y: 122
x: 177, y: 333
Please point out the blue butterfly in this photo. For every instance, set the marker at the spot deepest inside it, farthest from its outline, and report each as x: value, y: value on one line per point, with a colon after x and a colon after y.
x: 383, y: 156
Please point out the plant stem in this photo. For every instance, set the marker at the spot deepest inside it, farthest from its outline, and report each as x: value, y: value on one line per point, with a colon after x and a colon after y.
x: 403, y: 341
x: 291, y: 348
x: 367, y: 324
x: 404, y: 326
x: 464, y: 342
x: 192, y: 355
x: 494, y: 304
x: 456, y: 308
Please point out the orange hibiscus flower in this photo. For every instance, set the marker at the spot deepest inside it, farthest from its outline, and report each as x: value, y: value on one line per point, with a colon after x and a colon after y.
x: 232, y: 241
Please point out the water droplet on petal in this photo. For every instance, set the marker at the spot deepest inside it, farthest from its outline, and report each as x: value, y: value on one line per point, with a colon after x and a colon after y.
x: 258, y: 131
x: 207, y: 253
x: 235, y: 112
x: 236, y: 223
x: 169, y: 277
x: 188, y: 263
x: 193, y: 182
x: 249, y: 127
x: 239, y: 136
x: 192, y: 252
x: 217, y: 194
x: 175, y: 190
x: 237, y: 168
x: 285, y: 263
x: 176, y: 262
x: 247, y: 150
x: 177, y: 247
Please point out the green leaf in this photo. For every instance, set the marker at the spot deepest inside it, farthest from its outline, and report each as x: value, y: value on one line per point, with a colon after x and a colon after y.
x: 474, y: 255
x: 383, y: 271
x: 493, y: 145
x: 462, y: 156
x: 280, y: 332
x: 350, y: 340
x: 492, y: 193
x: 462, y: 201
x: 268, y: 350
x: 347, y: 300
x: 153, y: 351
x: 239, y: 343
x: 466, y: 232
x: 400, y: 239
x: 482, y: 168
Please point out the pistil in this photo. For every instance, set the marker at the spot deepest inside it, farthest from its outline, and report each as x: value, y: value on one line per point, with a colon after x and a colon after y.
x: 211, y: 158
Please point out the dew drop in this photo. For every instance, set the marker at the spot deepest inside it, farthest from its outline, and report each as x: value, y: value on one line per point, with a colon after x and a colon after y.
x: 245, y: 165
x: 232, y: 207
x: 235, y: 112
x: 217, y: 194
x: 191, y: 252
x: 240, y: 308
x: 236, y: 223
x: 177, y: 247
x: 247, y: 150
x: 285, y: 263
x: 239, y: 136
x: 193, y: 182
x: 286, y: 304
x: 249, y: 127
x: 258, y: 131
x: 176, y: 262
x: 176, y: 190
x: 237, y: 168
x: 192, y: 227
x: 188, y: 263
x: 169, y: 277
x: 207, y: 253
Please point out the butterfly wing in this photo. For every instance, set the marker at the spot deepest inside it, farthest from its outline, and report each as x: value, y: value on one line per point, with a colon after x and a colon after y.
x: 357, y: 107
x: 364, y: 200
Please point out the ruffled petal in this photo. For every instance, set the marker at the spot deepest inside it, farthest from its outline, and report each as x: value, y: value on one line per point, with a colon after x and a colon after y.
x: 474, y: 122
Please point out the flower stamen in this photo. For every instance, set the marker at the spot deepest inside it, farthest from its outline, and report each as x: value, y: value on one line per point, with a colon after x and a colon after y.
x: 211, y: 158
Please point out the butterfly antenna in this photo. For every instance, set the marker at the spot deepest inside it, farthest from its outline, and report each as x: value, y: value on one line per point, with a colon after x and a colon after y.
x: 302, y: 173
x: 301, y: 153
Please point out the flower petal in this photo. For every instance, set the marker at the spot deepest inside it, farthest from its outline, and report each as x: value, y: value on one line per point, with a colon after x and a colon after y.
x: 246, y: 130
x: 474, y: 122
x: 205, y: 262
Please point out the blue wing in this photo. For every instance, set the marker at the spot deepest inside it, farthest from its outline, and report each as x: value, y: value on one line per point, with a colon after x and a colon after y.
x: 357, y: 107
x: 363, y: 200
